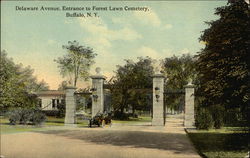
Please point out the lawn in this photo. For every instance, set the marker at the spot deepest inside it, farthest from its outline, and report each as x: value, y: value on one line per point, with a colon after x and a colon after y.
x: 56, y: 122
x: 140, y: 119
x: 50, y: 122
x: 228, y: 142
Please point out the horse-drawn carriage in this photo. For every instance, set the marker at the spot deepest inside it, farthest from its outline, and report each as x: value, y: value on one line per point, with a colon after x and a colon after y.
x: 101, y: 119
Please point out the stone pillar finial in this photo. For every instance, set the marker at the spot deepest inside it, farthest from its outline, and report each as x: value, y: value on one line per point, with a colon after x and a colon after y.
x: 98, y: 70
x: 157, y: 66
x: 190, y: 82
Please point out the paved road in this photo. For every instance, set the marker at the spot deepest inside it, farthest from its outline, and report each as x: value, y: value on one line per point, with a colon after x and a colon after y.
x: 119, y: 141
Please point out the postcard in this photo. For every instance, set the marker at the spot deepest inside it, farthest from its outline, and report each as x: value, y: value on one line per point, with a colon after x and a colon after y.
x: 120, y: 79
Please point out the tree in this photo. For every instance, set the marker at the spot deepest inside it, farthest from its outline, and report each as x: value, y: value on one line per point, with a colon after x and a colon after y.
x: 179, y: 71
x: 62, y: 85
x: 128, y: 84
x: 17, y: 84
x: 223, y: 64
x: 76, y: 63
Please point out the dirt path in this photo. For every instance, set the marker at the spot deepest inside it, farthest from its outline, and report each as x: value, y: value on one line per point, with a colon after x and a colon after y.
x: 134, y: 141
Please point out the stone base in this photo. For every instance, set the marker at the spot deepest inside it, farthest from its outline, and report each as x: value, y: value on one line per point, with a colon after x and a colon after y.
x: 69, y: 120
x: 70, y: 125
x: 189, y: 123
x: 158, y: 122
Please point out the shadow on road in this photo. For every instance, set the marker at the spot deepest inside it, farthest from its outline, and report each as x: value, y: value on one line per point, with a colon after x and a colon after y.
x: 137, y: 139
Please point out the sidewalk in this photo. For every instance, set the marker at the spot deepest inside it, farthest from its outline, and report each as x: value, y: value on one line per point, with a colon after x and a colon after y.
x: 131, y: 141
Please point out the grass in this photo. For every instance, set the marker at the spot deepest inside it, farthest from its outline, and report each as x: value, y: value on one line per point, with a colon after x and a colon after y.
x: 140, y: 119
x: 228, y: 142
x: 55, y: 122
x: 50, y: 122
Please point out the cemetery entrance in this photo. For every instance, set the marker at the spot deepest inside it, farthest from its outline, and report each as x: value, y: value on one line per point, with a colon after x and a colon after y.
x: 174, y: 101
x: 154, y: 97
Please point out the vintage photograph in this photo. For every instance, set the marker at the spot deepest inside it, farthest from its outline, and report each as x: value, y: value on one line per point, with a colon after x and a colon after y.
x: 125, y: 79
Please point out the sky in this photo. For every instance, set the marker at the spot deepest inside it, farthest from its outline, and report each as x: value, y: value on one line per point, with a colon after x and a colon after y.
x: 168, y: 28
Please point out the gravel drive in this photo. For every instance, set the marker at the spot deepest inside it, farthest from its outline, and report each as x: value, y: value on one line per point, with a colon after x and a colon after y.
x: 118, y: 141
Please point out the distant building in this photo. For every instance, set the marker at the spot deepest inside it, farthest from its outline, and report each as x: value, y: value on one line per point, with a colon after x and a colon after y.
x: 50, y: 99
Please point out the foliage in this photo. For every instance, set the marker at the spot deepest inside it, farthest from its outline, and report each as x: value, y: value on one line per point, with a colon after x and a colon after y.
x: 76, y: 62
x: 179, y: 71
x: 83, y: 98
x: 203, y: 119
x: 118, y: 115
x: 217, y: 112
x: 130, y: 84
x: 62, y: 85
x: 233, y: 117
x: 37, y: 117
x: 17, y: 84
x: 26, y: 115
x: 223, y: 64
x: 61, y: 109
x: 59, y: 113
x: 51, y: 112
x: 14, y: 116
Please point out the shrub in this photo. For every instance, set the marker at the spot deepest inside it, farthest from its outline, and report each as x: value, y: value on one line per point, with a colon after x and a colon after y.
x: 117, y: 115
x: 233, y: 117
x: 51, y: 112
x: 14, y: 116
x: 203, y: 119
x: 37, y: 117
x: 20, y: 116
x: 26, y: 115
x: 134, y: 115
x: 217, y: 112
x: 61, y: 110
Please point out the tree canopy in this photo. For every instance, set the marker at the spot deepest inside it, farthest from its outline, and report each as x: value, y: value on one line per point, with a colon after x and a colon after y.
x: 76, y: 63
x: 223, y: 64
x: 128, y: 80
x: 62, y: 85
x: 17, y: 84
x: 178, y: 71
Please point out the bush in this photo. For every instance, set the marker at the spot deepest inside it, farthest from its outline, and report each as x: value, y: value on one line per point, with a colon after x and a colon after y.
x: 25, y: 116
x: 21, y: 116
x: 117, y: 115
x: 14, y: 116
x: 37, y: 117
x: 203, y: 119
x: 61, y: 110
x: 233, y: 117
x: 217, y: 112
x: 51, y: 112
x: 133, y: 115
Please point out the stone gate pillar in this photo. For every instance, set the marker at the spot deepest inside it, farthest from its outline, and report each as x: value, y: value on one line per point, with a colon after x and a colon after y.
x: 97, y: 93
x: 158, y: 100
x: 189, y: 106
x: 70, y: 106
